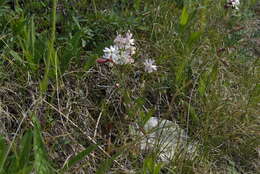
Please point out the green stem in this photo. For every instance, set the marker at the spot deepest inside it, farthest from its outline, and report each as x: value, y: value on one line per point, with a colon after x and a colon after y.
x: 51, y: 59
x: 53, y: 21
x: 95, y: 7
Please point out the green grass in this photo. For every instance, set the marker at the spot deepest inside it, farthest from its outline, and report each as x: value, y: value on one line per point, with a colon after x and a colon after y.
x: 57, y: 104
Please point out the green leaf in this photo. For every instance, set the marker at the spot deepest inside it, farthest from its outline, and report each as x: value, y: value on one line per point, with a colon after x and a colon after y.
x: 137, y: 5
x: 157, y: 168
x: 90, y: 61
x: 78, y: 157
x: 194, y: 37
x: 72, y: 50
x: 26, y: 170
x: 31, y: 33
x: 255, y: 95
x: 192, y: 112
x: 143, y: 28
x: 214, y: 73
x: 106, y: 165
x: 25, y: 149
x: 76, y: 22
x: 41, y: 162
x: 184, y: 17
x: 3, y: 154
x: 202, y: 87
x: 44, y: 82
x: 16, y: 56
x: 180, y: 72
x: 145, y: 117
x: 150, y: 166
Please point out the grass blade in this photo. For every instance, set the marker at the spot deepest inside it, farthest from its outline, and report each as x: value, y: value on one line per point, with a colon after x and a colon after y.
x: 41, y: 163
x: 78, y: 157
x: 184, y: 17
x: 3, y: 154
x: 25, y: 149
x: 106, y: 165
x: 91, y: 60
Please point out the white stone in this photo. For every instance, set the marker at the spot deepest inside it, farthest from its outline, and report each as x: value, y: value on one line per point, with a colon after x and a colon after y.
x: 165, y: 137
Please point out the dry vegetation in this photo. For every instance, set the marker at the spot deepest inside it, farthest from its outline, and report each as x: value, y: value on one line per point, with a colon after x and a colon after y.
x: 57, y: 103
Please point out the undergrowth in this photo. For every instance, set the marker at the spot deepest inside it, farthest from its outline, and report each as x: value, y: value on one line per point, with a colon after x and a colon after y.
x: 62, y: 112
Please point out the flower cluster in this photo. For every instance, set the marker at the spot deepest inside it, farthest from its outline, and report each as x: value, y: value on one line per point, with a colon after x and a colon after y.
x: 122, y: 51
x: 232, y: 3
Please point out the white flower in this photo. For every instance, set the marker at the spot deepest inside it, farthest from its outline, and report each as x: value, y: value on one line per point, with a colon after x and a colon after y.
x: 234, y: 3
x: 110, y: 53
x: 149, y: 65
x: 123, y: 50
x: 119, y: 41
x: 129, y: 39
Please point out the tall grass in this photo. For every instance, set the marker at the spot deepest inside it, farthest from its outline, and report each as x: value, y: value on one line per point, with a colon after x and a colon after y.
x: 58, y: 105
x: 51, y: 65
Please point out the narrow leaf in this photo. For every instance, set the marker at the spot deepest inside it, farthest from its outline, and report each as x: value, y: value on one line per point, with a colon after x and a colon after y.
x: 41, y: 163
x: 202, y: 87
x: 91, y: 61
x: 3, y: 154
x: 184, y: 17
x: 194, y: 37
x: 106, y: 165
x: 16, y: 56
x: 25, y: 149
x: 78, y: 157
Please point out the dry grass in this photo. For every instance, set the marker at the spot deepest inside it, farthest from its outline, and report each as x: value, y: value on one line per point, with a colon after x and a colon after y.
x: 216, y: 99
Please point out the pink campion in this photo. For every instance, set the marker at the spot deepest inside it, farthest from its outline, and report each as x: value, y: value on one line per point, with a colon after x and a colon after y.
x: 122, y: 50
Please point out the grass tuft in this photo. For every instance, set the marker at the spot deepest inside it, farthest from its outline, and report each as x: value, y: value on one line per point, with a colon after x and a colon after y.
x: 207, y: 81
